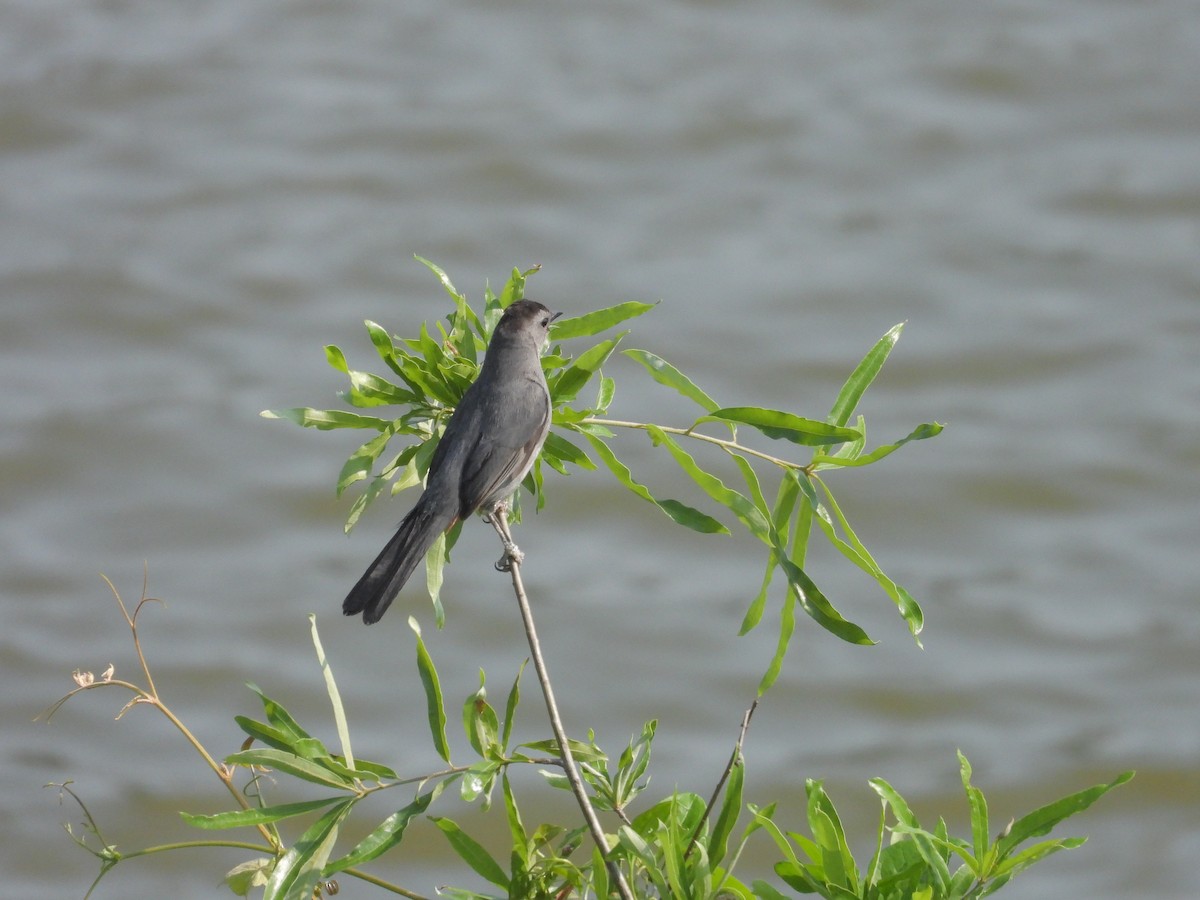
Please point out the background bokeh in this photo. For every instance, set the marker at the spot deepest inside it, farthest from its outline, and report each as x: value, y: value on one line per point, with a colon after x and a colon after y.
x: 195, y: 197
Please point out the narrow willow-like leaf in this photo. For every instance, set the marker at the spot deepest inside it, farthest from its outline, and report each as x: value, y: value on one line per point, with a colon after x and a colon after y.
x: 367, y: 391
x: 1041, y: 820
x: 387, y: 834
x: 516, y: 828
x: 326, y: 419
x: 752, y: 483
x: 920, y: 433
x: 319, y: 771
x: 583, y: 752
x: 472, y: 852
x: 608, y: 389
x: 977, y: 803
x: 1028, y: 857
x: 298, y: 871
x: 571, y: 380
x: 680, y: 512
x: 818, y: 607
x: 359, y: 464
x: 598, y: 320
x: 892, y: 799
x: 758, y: 605
x: 563, y: 449
x: 335, y: 697
x: 855, y: 551
x: 829, y: 833
x: 862, y: 376
x: 777, y: 424
x: 441, y: 277
x: 599, y: 873
x: 272, y: 737
x: 382, y: 341
x: 242, y: 818
x: 666, y: 374
x: 787, y: 625
x: 479, y: 720
x: 735, y: 502
x: 435, y: 706
x: 781, y: 516
x: 278, y: 716
x: 435, y: 565
x: 510, y: 706
x: 363, y: 500
x: 731, y: 808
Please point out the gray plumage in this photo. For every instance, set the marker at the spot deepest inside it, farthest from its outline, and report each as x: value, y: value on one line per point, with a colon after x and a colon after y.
x: 489, y: 445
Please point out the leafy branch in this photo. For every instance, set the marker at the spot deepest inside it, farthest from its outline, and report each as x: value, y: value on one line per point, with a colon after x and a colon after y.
x: 680, y: 846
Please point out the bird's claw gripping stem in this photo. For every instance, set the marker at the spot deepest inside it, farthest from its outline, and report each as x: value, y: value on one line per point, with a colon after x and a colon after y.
x: 512, y: 554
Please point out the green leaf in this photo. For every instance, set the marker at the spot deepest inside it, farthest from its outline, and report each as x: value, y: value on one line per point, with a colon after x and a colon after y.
x: 608, y: 389
x: 666, y: 374
x: 247, y: 876
x: 382, y: 342
x: 679, y: 512
x: 787, y: 625
x: 324, y: 772
x: 979, y: 815
x: 442, y: 277
x: 736, y: 503
x: 731, y: 808
x: 272, y: 737
x: 599, y: 873
x: 299, y: 869
x: 1041, y: 820
x: 818, y: 607
x: 335, y: 698
x: 516, y: 829
x: 920, y: 433
x: 472, y: 852
x: 433, y: 694
x: 479, y: 720
x: 566, y: 386
x: 862, y: 376
x: 325, y: 419
x: 386, y: 835
x: 598, y: 320
x: 242, y: 818
x: 777, y: 424
x: 559, y: 447
x: 510, y: 706
x: 359, y: 464
x: 435, y: 564
x: 278, y: 716
x: 855, y: 551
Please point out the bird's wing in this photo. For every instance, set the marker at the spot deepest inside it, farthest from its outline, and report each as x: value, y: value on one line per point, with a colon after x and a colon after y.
x: 504, y: 453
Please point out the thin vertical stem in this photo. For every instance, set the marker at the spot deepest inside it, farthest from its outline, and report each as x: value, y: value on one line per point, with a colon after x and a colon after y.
x: 512, y: 558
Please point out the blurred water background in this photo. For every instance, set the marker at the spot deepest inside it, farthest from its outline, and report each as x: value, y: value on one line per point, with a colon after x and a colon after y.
x: 195, y: 197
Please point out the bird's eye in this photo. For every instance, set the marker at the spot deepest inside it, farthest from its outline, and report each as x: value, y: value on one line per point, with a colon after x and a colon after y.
x: 546, y: 322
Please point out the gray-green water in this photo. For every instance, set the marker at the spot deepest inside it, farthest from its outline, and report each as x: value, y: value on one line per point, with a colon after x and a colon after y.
x: 194, y: 198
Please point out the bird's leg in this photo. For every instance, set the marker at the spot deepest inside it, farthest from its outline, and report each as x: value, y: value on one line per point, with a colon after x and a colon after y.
x: 498, y: 516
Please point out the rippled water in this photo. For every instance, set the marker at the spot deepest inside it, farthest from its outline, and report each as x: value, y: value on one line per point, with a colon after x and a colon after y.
x: 196, y: 199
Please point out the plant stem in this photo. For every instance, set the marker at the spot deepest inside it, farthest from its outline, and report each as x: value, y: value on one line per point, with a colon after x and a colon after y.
x: 734, y: 759
x: 727, y: 446
x: 499, y: 519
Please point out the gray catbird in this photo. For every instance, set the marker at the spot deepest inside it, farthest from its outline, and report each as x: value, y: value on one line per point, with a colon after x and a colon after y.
x: 489, y: 445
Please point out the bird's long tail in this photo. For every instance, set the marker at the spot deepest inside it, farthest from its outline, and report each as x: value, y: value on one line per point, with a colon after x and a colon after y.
x: 384, y: 578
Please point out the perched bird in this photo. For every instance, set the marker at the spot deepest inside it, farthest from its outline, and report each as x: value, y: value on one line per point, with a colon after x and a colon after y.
x: 488, y: 447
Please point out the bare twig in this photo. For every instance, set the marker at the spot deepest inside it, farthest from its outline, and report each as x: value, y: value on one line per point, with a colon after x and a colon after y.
x: 499, y: 520
x: 734, y: 759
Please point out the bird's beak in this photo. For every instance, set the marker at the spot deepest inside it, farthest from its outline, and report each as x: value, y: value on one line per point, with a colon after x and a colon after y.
x: 555, y: 316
